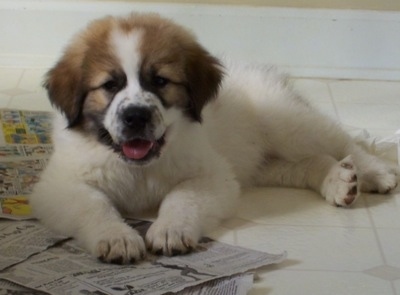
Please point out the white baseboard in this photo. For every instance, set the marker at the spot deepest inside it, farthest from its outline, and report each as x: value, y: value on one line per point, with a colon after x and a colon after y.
x: 304, y: 42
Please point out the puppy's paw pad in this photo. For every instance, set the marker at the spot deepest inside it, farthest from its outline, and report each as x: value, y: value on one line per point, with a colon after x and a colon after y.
x: 349, y: 198
x: 347, y: 163
x: 340, y: 186
x: 121, y: 248
x: 171, y: 239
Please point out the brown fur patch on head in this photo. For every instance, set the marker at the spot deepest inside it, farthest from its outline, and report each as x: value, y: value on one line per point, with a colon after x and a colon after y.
x: 74, y: 76
x: 64, y: 84
x: 204, y: 76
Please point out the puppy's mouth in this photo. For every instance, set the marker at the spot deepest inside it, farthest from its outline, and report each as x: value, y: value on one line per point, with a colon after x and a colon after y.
x: 138, y: 150
x: 141, y: 150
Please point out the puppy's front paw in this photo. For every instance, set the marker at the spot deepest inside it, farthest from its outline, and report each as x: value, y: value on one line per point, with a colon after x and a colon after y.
x: 169, y: 236
x: 120, y: 245
x: 340, y: 186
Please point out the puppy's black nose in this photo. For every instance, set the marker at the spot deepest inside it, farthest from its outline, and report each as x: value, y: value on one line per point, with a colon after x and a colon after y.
x: 136, y: 117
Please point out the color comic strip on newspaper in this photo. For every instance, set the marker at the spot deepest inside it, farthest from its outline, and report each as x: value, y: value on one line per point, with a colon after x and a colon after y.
x: 25, y: 147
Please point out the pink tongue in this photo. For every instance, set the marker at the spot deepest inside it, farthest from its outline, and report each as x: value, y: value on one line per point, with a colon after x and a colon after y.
x: 137, y: 149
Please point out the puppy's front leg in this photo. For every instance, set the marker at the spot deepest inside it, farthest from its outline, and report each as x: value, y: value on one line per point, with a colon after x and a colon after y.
x: 191, y: 208
x: 110, y: 239
x: 87, y: 215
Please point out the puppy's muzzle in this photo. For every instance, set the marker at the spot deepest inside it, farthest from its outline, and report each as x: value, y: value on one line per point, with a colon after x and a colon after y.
x: 139, y: 143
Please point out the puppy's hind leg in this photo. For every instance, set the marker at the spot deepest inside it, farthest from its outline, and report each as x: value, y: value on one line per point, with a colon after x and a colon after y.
x: 376, y: 176
x: 335, y: 180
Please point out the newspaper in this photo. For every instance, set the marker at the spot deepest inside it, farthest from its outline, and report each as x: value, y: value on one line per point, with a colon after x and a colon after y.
x: 237, y: 285
x: 25, y: 127
x: 68, y: 269
x: 20, y: 240
x: 10, y: 288
x: 25, y: 147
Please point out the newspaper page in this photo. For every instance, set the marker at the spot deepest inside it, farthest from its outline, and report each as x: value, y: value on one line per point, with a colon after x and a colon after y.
x: 15, y: 207
x: 235, y: 285
x: 67, y: 269
x: 9, y: 288
x: 20, y: 240
x: 25, y: 147
x: 25, y: 127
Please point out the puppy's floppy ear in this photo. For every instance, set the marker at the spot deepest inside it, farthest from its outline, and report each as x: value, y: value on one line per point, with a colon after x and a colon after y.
x: 204, y: 74
x: 65, y: 86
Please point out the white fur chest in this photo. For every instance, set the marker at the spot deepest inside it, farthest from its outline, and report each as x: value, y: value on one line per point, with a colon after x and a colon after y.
x: 131, y: 189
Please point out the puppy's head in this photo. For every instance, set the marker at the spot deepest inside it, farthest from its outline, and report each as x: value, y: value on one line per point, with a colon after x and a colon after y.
x: 125, y: 80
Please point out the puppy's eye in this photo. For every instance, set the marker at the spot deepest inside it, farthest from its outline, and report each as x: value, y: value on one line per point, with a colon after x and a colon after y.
x: 159, y: 81
x: 111, y: 86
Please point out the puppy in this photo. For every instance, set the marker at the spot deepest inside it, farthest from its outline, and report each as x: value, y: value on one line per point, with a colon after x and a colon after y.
x: 147, y: 118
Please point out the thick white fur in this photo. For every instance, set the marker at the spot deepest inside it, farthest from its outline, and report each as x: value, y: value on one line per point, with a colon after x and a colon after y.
x: 257, y: 132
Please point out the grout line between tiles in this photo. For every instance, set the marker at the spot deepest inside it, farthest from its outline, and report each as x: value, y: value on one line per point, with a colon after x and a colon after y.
x: 333, y: 101
x: 20, y: 78
x: 8, y: 105
x: 378, y: 241
x: 393, y: 287
x: 375, y: 231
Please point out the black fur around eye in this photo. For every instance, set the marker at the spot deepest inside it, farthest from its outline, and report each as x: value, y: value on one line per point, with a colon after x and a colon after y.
x: 111, y: 86
x: 159, y: 81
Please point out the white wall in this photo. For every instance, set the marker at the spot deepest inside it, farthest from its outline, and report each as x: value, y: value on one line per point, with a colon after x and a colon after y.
x: 379, y: 5
x: 305, y: 42
x: 388, y: 5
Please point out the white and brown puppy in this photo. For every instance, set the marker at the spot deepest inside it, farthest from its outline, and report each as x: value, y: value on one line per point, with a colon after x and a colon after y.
x: 149, y: 119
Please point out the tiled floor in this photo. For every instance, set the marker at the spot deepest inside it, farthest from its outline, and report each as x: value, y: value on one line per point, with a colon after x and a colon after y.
x: 330, y: 251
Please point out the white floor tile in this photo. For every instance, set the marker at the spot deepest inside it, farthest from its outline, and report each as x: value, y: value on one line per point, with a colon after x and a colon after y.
x: 4, y: 100
x: 312, y: 90
x: 10, y: 78
x: 375, y: 92
x: 316, y: 248
x: 281, y: 206
x: 370, y: 116
x: 31, y: 101
x: 223, y: 234
x: 326, y: 108
x: 385, y: 210
x: 390, y: 242
x: 286, y: 282
x: 385, y: 272
x: 32, y: 80
x: 317, y: 93
x: 382, y: 133
x: 397, y: 287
